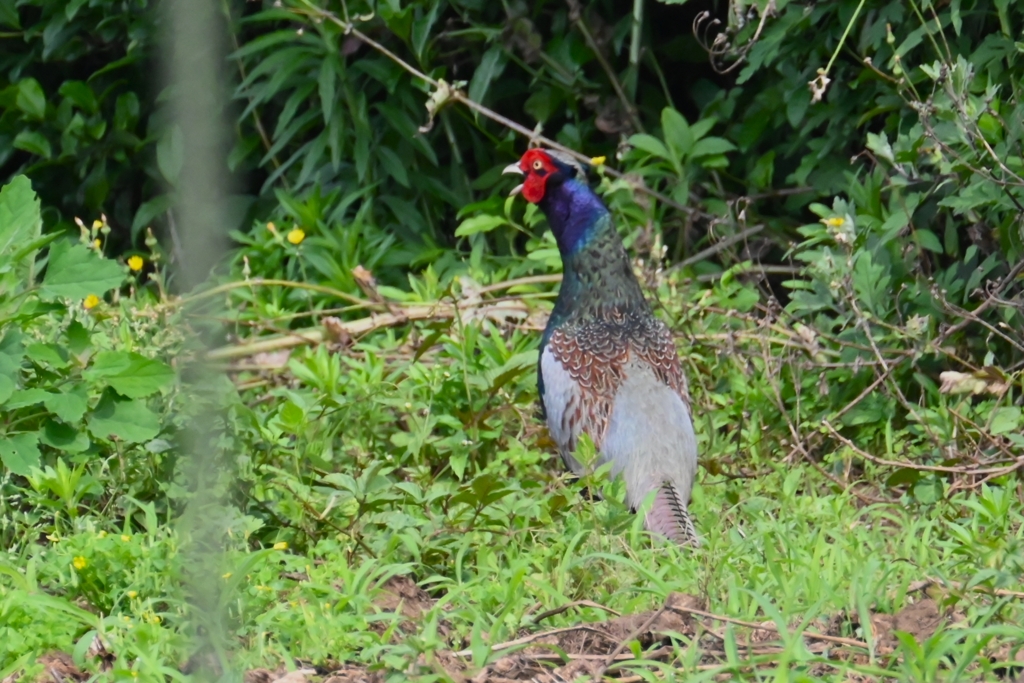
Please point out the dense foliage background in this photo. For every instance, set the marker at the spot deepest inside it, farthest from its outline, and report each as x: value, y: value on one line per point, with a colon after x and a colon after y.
x: 826, y: 199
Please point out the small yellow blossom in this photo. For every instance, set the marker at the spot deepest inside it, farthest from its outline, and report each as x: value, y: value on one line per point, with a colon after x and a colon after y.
x: 272, y: 228
x: 125, y: 537
x: 97, y: 243
x: 226, y: 575
x: 79, y: 562
x: 598, y: 161
x: 834, y: 222
x: 296, y: 236
x: 154, y: 619
x: 135, y: 263
x: 97, y: 224
x: 91, y: 301
x: 281, y: 545
x: 101, y: 534
x: 133, y: 594
x: 52, y: 538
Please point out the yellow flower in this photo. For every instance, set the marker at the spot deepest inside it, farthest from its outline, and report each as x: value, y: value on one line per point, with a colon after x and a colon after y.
x: 125, y: 537
x: 97, y: 224
x: 52, y: 538
x: 296, y: 236
x: 135, y: 263
x: 96, y: 243
x: 834, y: 222
x: 101, y: 534
x: 281, y: 545
x: 91, y: 301
x: 79, y: 562
x: 598, y: 161
x: 133, y: 594
x: 226, y: 576
x: 272, y: 228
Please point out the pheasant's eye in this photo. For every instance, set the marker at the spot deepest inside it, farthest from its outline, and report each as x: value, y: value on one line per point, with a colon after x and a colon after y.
x: 538, y: 165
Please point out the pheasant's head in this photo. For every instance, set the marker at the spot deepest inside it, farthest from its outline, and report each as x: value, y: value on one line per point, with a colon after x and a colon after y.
x: 543, y: 169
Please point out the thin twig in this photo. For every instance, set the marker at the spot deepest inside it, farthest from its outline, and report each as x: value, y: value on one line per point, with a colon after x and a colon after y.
x: 717, y: 247
x: 643, y: 628
x: 572, y: 605
x: 1017, y: 464
x: 838, y: 640
x: 533, y: 637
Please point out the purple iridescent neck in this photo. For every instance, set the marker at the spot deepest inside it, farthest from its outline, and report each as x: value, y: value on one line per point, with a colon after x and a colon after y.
x: 574, y: 214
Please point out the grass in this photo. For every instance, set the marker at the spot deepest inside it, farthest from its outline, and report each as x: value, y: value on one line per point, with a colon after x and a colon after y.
x: 512, y: 540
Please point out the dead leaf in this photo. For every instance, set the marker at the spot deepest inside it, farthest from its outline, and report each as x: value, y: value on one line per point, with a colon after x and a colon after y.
x: 59, y: 668
x: 989, y: 379
x: 297, y: 676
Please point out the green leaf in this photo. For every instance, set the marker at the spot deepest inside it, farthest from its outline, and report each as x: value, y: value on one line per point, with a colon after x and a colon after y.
x: 31, y: 99
x: 126, y: 419
x: 491, y: 66
x: 20, y: 223
x: 130, y: 374
x: 34, y: 143
x: 1005, y: 419
x: 20, y: 452
x: 26, y: 397
x: 47, y: 355
x: 476, y: 224
x: 150, y: 210
x: 927, y: 239
x: 75, y: 271
x: 650, y: 144
x: 677, y: 133
x: 80, y: 94
x: 170, y: 154
x: 709, y: 146
x: 69, y: 406
x: 393, y: 165
x: 64, y: 437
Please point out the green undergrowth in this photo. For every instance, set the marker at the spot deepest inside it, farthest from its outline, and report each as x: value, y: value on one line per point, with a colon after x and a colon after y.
x: 414, y: 450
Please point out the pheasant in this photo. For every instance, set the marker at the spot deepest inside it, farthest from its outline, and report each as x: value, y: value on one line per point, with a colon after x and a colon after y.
x: 608, y: 368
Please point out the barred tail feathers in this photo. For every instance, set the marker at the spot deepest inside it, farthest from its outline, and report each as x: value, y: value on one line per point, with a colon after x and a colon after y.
x: 670, y: 517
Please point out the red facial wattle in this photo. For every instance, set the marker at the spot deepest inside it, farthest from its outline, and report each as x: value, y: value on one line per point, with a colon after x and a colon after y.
x: 538, y: 167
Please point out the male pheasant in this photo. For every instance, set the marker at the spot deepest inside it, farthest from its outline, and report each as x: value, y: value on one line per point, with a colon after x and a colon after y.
x: 608, y: 368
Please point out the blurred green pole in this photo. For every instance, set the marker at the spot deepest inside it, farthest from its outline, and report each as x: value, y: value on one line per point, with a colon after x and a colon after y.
x: 195, y: 42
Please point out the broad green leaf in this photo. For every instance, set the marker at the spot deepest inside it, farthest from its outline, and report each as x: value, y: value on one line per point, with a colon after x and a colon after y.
x: 26, y: 397
x: 1006, y: 419
x: 709, y: 146
x: 123, y: 418
x: 31, y: 99
x: 651, y: 145
x: 34, y: 143
x: 130, y: 374
x: 475, y: 224
x: 150, y: 210
x: 677, y: 132
x: 50, y: 355
x: 75, y: 271
x: 69, y: 406
x: 928, y: 240
x: 20, y: 223
x: 20, y: 452
x: 65, y: 437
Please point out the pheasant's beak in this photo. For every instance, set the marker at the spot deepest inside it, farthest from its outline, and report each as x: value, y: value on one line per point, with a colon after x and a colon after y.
x: 514, y: 168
